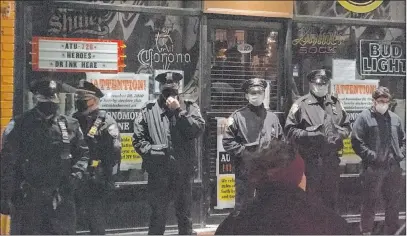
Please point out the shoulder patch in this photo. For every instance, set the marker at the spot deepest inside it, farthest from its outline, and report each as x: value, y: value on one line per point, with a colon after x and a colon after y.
x: 9, y: 127
x: 294, y: 108
x: 113, y: 130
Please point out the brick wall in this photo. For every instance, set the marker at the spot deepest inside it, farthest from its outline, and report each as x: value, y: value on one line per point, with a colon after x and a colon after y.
x: 7, y: 62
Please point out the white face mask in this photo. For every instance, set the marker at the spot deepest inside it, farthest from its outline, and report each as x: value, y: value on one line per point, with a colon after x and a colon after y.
x: 381, y: 108
x: 319, y: 90
x: 255, y: 99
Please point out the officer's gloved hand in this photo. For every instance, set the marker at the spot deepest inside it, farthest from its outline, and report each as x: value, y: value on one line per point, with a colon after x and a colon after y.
x: 5, y: 207
x: 315, y: 136
x: 331, y: 133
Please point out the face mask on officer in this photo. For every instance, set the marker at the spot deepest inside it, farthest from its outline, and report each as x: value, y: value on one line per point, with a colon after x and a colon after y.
x: 319, y: 82
x: 169, y: 90
x: 83, y: 105
x: 255, y: 96
x: 319, y: 90
x: 87, y: 97
x: 47, y: 97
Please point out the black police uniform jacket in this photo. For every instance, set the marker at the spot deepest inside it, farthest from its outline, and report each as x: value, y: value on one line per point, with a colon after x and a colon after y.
x: 306, y: 115
x: 104, y: 144
x: 249, y: 129
x: 165, y: 139
x: 279, y: 209
x: 34, y: 151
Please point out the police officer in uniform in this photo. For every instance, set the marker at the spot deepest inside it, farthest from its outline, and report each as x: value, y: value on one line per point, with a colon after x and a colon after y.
x: 103, y: 138
x: 317, y: 125
x: 249, y: 129
x: 43, y: 160
x: 164, y: 134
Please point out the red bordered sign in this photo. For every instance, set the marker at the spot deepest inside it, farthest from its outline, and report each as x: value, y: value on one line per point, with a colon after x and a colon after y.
x: 77, y: 55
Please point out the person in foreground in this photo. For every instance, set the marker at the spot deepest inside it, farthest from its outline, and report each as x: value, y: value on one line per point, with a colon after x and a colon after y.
x: 379, y: 139
x: 280, y: 205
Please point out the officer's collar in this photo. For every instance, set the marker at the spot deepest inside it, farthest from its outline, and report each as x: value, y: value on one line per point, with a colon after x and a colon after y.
x: 41, y: 116
x: 313, y: 100
x: 254, y: 108
x: 91, y: 114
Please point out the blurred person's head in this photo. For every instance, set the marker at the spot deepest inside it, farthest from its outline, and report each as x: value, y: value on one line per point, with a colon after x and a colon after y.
x: 254, y: 90
x: 381, y: 99
x: 279, y: 164
x: 87, y: 97
x: 319, y: 82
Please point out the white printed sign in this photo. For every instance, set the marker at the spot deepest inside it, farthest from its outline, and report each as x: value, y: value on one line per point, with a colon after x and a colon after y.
x: 224, y: 171
x: 355, y: 95
x: 122, y: 90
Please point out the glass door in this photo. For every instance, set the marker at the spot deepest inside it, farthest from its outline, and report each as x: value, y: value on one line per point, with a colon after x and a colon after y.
x: 240, y: 53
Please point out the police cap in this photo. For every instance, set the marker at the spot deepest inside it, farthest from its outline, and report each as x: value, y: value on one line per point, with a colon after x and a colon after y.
x: 87, y: 88
x: 46, y: 87
x: 254, y: 83
x: 319, y: 76
x: 168, y: 77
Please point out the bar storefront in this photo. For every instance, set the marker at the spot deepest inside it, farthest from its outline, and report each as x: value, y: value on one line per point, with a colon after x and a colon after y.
x: 120, y: 46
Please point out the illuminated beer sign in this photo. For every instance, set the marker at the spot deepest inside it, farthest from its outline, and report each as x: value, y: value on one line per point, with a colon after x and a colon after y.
x: 321, y: 43
x: 77, y: 55
x: 382, y: 58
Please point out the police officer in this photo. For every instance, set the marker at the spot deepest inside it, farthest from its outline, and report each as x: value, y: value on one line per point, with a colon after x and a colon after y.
x: 317, y: 125
x: 103, y: 138
x: 43, y: 160
x: 164, y: 134
x: 249, y: 129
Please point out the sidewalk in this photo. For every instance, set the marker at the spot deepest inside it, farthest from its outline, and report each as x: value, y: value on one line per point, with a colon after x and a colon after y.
x: 208, y: 230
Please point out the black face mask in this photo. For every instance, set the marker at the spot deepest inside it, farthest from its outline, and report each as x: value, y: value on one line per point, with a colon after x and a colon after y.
x: 169, y: 92
x: 48, y: 108
x: 81, y: 105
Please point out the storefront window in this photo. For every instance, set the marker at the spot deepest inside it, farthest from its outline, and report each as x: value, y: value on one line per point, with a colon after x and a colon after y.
x: 355, y: 55
x: 159, y: 3
x: 154, y: 44
x: 386, y: 10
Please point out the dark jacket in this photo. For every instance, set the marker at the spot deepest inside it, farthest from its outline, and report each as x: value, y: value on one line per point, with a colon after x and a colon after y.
x: 307, y: 116
x: 280, y: 209
x: 104, y: 146
x: 365, y: 136
x: 165, y: 139
x: 34, y: 152
x: 249, y: 129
